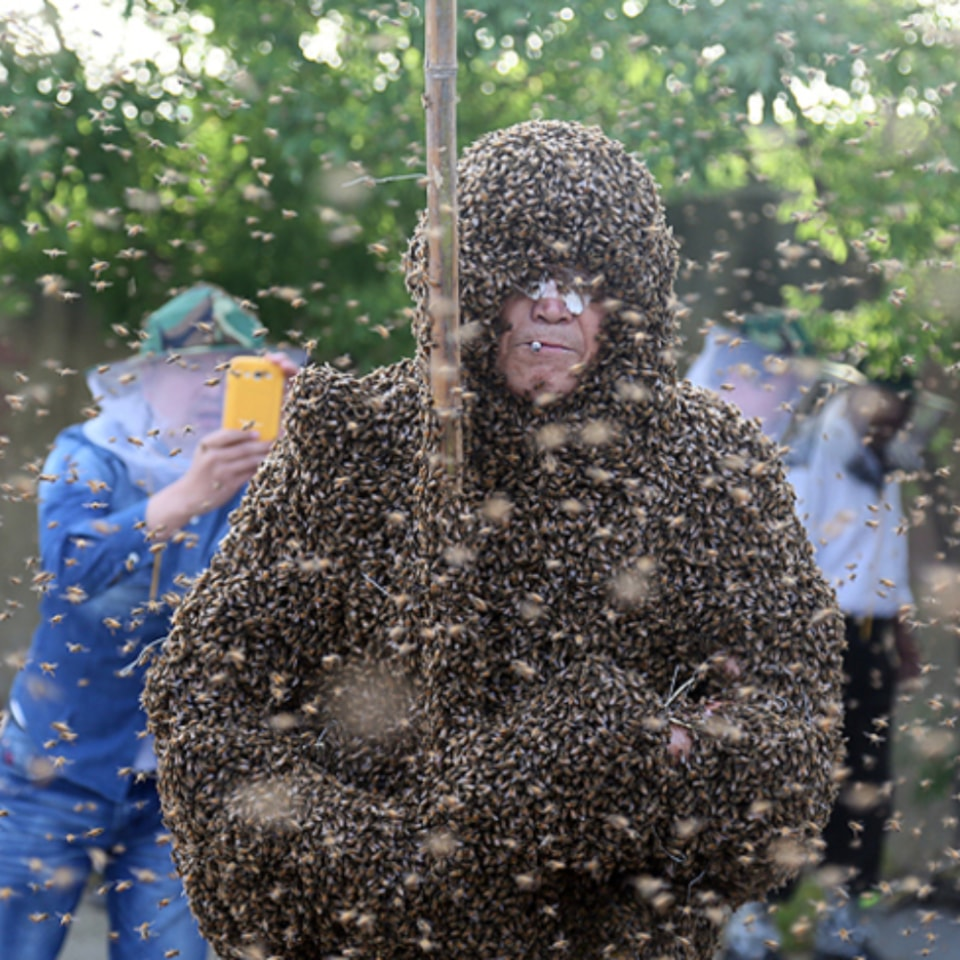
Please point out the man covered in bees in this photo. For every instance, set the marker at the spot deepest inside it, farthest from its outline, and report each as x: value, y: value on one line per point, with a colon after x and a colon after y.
x: 580, y: 707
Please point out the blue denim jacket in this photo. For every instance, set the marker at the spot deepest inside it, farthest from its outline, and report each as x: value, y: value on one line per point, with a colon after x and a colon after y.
x: 105, y: 596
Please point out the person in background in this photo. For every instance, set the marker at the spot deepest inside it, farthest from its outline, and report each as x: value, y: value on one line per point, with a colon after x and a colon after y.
x: 762, y: 365
x: 852, y: 509
x: 840, y: 460
x: 132, y: 505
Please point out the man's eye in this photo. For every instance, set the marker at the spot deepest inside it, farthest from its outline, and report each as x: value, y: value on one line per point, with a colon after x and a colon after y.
x: 574, y: 302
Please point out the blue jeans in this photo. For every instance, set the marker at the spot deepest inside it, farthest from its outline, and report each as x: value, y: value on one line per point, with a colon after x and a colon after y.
x: 49, y: 829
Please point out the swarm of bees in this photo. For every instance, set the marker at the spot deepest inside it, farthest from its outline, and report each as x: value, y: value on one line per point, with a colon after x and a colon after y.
x: 394, y: 719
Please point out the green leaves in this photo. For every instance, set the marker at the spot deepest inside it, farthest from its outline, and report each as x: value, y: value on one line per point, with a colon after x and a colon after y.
x: 273, y: 148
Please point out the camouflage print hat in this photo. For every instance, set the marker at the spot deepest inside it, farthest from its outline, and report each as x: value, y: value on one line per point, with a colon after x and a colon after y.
x: 205, y: 317
x: 777, y: 333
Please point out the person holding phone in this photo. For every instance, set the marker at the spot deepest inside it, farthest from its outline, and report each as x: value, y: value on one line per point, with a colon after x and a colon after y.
x: 132, y: 505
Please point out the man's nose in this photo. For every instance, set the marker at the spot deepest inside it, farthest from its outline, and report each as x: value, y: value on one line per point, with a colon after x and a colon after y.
x: 551, y: 305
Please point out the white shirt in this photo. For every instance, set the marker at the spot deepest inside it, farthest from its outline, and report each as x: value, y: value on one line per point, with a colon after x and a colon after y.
x: 858, y: 532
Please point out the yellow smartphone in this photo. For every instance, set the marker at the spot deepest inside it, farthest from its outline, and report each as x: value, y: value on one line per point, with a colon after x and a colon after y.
x: 253, y: 396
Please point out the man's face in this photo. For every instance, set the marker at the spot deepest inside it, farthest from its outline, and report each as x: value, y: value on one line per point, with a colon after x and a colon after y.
x: 878, y: 414
x: 550, y: 336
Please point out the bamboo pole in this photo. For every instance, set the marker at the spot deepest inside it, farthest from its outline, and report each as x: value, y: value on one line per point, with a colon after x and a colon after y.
x: 444, y: 295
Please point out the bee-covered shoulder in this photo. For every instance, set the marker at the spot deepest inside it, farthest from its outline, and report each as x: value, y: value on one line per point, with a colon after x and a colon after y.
x: 333, y: 410
x: 731, y: 465
x: 344, y: 438
x: 726, y: 432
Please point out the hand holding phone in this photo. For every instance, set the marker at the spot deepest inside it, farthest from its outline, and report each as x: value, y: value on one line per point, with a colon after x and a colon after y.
x: 253, y: 396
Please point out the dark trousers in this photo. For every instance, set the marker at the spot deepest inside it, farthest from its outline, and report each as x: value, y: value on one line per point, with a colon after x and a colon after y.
x: 854, y: 834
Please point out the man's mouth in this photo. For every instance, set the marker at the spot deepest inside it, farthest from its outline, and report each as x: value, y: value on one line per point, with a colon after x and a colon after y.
x: 546, y: 346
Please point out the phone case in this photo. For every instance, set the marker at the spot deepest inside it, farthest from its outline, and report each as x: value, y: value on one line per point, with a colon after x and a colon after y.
x: 253, y: 396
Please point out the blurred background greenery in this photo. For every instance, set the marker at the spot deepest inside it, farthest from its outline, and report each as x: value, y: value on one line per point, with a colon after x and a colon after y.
x: 275, y: 149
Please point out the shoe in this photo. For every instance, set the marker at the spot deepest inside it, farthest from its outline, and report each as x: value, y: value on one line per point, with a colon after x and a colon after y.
x: 768, y: 954
x: 843, y: 927
x: 864, y: 952
x: 751, y: 934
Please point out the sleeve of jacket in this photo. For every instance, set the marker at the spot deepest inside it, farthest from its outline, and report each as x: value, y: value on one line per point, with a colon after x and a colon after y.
x: 267, y: 837
x: 86, y: 542
x: 748, y: 803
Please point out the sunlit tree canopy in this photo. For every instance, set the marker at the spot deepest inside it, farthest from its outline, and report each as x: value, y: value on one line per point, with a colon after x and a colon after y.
x: 278, y: 150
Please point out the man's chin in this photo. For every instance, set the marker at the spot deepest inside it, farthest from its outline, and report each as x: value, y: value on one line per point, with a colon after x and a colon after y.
x: 545, y: 392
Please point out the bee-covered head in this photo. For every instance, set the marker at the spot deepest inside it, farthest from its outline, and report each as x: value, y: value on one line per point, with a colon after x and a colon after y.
x: 557, y: 217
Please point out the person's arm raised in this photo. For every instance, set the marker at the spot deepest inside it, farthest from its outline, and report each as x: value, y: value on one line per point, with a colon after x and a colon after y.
x: 225, y: 460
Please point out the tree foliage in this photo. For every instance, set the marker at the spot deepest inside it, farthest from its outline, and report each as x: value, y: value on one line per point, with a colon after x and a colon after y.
x: 277, y: 149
